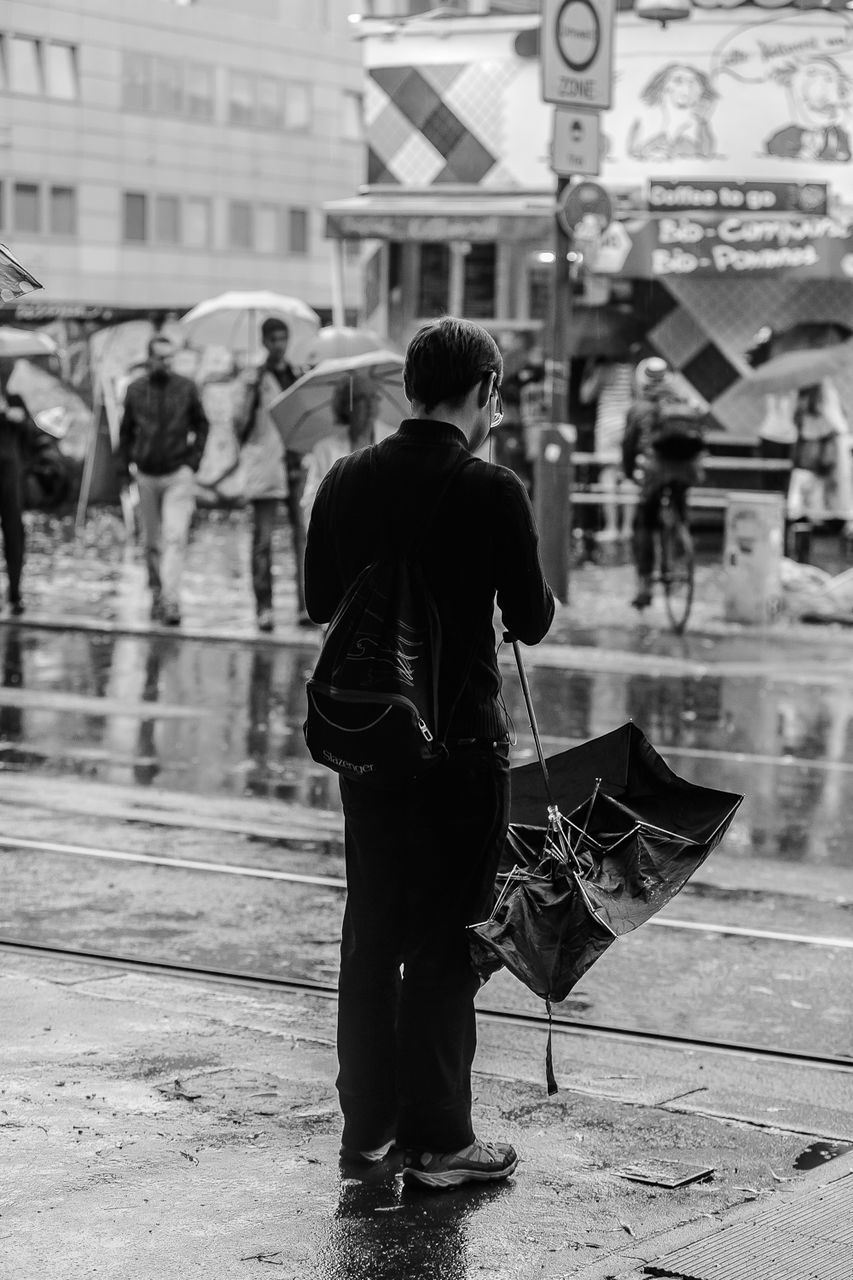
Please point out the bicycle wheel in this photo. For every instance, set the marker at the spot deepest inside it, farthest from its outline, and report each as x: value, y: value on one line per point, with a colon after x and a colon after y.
x: 676, y: 570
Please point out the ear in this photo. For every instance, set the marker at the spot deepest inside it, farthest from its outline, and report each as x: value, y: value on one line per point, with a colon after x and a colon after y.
x: 484, y: 390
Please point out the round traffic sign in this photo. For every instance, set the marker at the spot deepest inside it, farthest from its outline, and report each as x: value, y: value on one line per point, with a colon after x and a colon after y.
x: 578, y: 34
x: 580, y: 200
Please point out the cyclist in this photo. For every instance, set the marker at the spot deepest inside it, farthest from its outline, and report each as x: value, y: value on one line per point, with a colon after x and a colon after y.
x: 661, y: 448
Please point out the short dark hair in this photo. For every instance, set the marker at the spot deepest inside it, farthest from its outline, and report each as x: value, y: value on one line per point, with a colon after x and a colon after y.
x: 272, y: 325
x: 446, y: 358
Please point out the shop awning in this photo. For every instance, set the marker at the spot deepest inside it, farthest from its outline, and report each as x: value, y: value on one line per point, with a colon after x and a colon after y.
x: 443, y: 217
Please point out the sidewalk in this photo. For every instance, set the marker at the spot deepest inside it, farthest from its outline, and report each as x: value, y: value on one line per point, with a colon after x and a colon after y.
x: 156, y: 1128
x: 98, y: 581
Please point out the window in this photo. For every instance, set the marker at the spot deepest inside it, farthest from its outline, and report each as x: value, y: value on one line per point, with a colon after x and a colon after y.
x: 135, y: 217
x: 297, y: 231
x: 268, y: 229
x: 198, y: 91
x: 27, y: 207
x: 168, y: 87
x: 136, y: 82
x: 25, y: 73
x: 434, y: 279
x: 62, y: 211
x: 270, y: 114
x: 297, y: 106
x: 479, y: 282
x: 241, y: 98
x: 240, y: 224
x: 60, y: 71
x: 197, y: 220
x: 351, y: 119
x: 167, y: 219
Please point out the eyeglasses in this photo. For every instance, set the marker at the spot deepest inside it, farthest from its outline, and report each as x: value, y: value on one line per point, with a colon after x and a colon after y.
x: 498, y: 415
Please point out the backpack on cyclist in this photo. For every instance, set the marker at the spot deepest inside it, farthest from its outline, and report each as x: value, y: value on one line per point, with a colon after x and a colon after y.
x: 677, y: 430
x: 373, y: 696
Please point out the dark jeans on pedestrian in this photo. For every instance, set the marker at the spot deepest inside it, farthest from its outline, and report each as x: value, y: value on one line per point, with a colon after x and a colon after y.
x: 11, y: 520
x: 647, y: 520
x: 295, y: 486
x: 421, y: 862
x: 263, y: 524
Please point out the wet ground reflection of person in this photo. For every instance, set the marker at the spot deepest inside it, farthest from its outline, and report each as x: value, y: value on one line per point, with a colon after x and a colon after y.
x: 11, y: 716
x: 146, y: 764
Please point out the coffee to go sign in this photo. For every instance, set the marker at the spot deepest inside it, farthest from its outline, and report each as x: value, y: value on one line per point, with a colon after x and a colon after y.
x: 667, y: 196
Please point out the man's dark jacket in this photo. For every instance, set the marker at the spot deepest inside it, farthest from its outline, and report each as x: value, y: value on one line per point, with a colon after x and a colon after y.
x: 481, y: 543
x: 164, y: 426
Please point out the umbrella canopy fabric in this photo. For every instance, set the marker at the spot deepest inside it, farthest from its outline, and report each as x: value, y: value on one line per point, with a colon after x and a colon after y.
x: 794, y: 369
x: 24, y: 344
x: 234, y: 320
x: 15, y: 280
x: 337, y: 341
x: 303, y: 413
x: 634, y: 834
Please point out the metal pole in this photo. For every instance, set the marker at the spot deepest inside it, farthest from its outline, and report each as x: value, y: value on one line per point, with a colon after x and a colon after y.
x: 552, y: 470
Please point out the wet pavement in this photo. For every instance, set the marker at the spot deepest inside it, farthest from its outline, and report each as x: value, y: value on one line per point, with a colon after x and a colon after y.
x: 189, y: 746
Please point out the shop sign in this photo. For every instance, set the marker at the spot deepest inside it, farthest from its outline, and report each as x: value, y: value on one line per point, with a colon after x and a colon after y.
x: 433, y: 226
x: 676, y: 196
x: 577, y: 52
x: 737, y: 245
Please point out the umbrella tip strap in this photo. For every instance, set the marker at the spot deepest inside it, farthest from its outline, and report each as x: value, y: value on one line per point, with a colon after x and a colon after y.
x: 550, y: 1078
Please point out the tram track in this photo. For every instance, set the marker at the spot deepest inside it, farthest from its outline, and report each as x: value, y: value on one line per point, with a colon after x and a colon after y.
x: 540, y: 1022
x: 63, y: 849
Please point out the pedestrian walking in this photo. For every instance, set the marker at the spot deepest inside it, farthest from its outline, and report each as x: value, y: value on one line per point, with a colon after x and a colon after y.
x: 422, y: 854
x: 820, y: 487
x: 354, y: 406
x: 15, y: 425
x: 161, y: 439
x: 271, y: 473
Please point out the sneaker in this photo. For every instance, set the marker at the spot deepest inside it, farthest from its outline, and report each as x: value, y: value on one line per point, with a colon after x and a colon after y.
x: 481, y: 1162
x: 170, y: 616
x: 642, y: 599
x: 373, y: 1156
x: 266, y: 620
x: 16, y: 608
x: 305, y: 620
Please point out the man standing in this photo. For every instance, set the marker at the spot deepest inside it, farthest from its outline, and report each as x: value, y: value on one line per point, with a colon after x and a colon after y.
x: 271, y: 472
x: 422, y: 857
x: 15, y: 422
x: 162, y: 436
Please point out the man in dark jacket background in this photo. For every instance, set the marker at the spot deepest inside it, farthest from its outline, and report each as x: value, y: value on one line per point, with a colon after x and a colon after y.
x: 15, y: 422
x: 163, y: 434
x: 422, y: 857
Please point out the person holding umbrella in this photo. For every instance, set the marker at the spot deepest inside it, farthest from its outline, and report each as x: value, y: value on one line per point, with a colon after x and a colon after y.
x: 15, y: 423
x: 272, y: 473
x: 422, y: 854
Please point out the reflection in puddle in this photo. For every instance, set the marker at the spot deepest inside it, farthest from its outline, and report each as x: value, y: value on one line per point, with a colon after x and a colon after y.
x: 820, y: 1152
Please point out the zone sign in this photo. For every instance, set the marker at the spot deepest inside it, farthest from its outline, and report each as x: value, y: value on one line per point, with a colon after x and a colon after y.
x: 577, y: 52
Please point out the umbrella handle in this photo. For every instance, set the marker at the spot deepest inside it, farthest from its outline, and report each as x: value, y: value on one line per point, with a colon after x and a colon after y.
x: 525, y: 689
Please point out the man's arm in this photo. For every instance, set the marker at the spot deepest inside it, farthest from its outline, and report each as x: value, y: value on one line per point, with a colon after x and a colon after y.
x: 525, y: 600
x: 324, y: 587
x: 199, y: 428
x: 126, y: 435
x: 631, y: 441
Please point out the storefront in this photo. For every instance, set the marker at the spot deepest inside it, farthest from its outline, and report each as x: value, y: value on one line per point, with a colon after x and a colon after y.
x: 727, y: 157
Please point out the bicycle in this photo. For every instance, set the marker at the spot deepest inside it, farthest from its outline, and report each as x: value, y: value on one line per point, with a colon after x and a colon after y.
x: 676, y: 561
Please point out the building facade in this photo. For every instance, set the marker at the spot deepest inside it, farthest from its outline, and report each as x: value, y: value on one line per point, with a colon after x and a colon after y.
x: 727, y: 157
x: 157, y: 152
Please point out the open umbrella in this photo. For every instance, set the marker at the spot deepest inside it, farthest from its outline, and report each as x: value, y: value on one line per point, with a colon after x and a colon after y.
x: 234, y: 320
x: 794, y: 369
x: 24, y: 344
x: 336, y: 341
x: 303, y: 413
x: 633, y: 834
x: 15, y: 280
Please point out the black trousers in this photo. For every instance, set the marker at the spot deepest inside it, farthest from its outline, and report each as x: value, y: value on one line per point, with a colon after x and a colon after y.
x: 11, y: 520
x: 421, y: 863
x: 647, y: 519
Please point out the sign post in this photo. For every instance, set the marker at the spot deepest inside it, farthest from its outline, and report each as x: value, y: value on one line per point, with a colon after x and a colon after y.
x: 577, y: 75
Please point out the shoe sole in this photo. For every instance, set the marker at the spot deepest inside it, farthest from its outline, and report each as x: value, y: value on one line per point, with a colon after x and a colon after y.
x: 456, y: 1177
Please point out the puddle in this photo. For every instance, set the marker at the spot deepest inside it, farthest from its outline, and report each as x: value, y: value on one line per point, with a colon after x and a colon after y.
x: 819, y: 1153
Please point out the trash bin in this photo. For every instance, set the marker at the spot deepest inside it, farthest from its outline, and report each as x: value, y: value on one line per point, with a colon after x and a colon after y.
x: 752, y: 556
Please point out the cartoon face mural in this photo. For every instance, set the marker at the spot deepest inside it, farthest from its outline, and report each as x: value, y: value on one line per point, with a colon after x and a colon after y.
x: 678, y: 100
x: 819, y: 96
